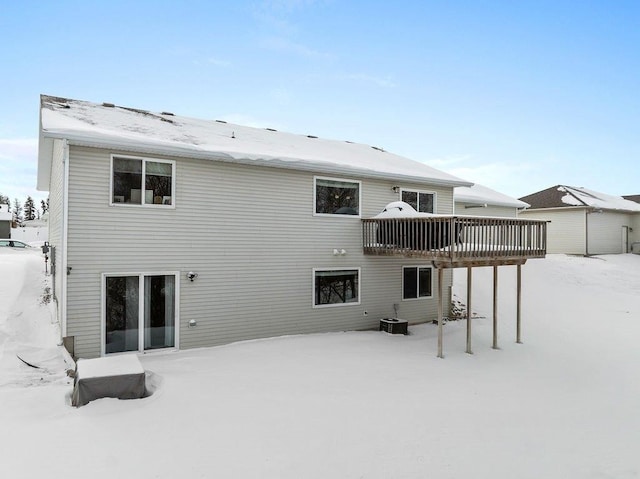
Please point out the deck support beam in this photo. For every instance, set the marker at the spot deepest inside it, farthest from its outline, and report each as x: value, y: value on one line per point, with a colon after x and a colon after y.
x: 519, y: 306
x: 440, y: 309
x: 469, y: 269
x: 495, y: 308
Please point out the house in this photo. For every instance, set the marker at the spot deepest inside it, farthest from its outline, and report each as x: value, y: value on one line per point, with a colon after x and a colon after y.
x: 585, y: 222
x: 171, y: 232
x: 5, y: 221
x: 479, y: 200
x: 32, y: 231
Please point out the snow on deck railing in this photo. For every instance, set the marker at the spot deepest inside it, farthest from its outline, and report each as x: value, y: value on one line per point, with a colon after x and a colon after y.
x: 456, y: 238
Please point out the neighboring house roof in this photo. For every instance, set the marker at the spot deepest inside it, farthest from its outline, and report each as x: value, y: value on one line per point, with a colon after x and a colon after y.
x: 482, y: 195
x: 562, y: 196
x: 635, y: 198
x: 129, y: 129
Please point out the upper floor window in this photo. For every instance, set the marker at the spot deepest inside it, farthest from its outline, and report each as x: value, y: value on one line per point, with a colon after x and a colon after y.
x: 139, y: 181
x: 336, y: 197
x: 422, y: 201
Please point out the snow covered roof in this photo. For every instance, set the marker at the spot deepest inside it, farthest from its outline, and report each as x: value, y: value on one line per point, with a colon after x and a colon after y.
x: 562, y: 196
x: 128, y: 129
x: 482, y: 195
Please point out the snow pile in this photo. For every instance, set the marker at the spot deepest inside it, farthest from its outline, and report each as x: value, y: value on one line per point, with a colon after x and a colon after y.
x: 107, y: 124
x: 585, y: 197
x: 368, y: 404
x: 27, y: 328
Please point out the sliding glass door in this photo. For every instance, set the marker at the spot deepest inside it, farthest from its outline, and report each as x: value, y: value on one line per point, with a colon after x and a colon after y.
x: 140, y: 313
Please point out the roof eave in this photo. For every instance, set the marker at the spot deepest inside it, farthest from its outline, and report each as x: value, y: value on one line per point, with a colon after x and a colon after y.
x: 480, y: 201
x: 137, y: 146
x: 45, y: 158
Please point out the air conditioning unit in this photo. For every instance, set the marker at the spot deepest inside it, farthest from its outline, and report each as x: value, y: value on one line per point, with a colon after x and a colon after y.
x: 394, y: 325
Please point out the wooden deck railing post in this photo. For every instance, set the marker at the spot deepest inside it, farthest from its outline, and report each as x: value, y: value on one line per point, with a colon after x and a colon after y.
x: 469, y: 269
x: 519, y: 303
x: 495, y: 308
x: 440, y: 311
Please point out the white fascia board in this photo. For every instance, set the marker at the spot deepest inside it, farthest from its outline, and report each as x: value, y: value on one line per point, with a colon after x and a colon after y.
x: 45, y: 158
x: 486, y: 201
x: 556, y: 208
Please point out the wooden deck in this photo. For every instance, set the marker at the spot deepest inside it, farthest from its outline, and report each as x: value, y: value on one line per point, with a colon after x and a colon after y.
x: 457, y: 241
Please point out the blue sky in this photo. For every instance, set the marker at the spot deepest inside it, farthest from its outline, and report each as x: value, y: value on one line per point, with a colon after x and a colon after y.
x: 518, y: 96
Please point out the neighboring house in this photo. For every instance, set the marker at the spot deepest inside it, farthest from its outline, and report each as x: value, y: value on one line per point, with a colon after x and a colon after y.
x: 478, y: 200
x: 585, y: 222
x: 5, y: 221
x: 171, y: 232
x: 32, y: 231
x: 635, y: 244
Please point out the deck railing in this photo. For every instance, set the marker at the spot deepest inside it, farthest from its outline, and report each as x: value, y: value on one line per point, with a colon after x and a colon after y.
x: 456, y: 239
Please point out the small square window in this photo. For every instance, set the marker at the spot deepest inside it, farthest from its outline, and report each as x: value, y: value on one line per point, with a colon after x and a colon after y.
x: 421, y: 201
x: 337, y: 197
x: 416, y: 282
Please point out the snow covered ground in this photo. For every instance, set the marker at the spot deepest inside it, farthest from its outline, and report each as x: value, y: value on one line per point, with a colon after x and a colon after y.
x: 565, y: 404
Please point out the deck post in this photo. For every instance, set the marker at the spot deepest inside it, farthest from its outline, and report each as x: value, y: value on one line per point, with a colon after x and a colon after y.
x: 519, y: 306
x: 495, y: 308
x: 440, y: 308
x: 469, y: 268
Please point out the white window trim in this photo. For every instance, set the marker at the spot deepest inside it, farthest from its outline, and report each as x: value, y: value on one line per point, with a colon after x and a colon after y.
x: 141, y: 276
x: 418, y: 298
x: 428, y: 192
x: 341, y: 268
x: 144, y: 159
x: 345, y: 180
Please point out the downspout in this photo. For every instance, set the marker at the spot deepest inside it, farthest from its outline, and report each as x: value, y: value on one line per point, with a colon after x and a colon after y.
x: 586, y: 232
x: 65, y: 229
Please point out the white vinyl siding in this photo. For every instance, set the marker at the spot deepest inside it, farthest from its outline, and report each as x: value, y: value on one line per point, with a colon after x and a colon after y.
x: 493, y: 211
x: 249, y: 233
x: 569, y: 229
x: 605, y: 231
x: 566, y: 232
x: 634, y: 236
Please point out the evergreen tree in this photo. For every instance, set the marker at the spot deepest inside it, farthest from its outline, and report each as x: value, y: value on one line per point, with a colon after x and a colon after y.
x: 44, y: 206
x: 29, y: 209
x: 17, y: 212
x: 4, y: 200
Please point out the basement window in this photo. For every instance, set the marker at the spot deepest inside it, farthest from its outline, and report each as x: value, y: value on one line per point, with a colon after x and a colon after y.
x: 417, y: 282
x: 142, y: 181
x: 333, y: 287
